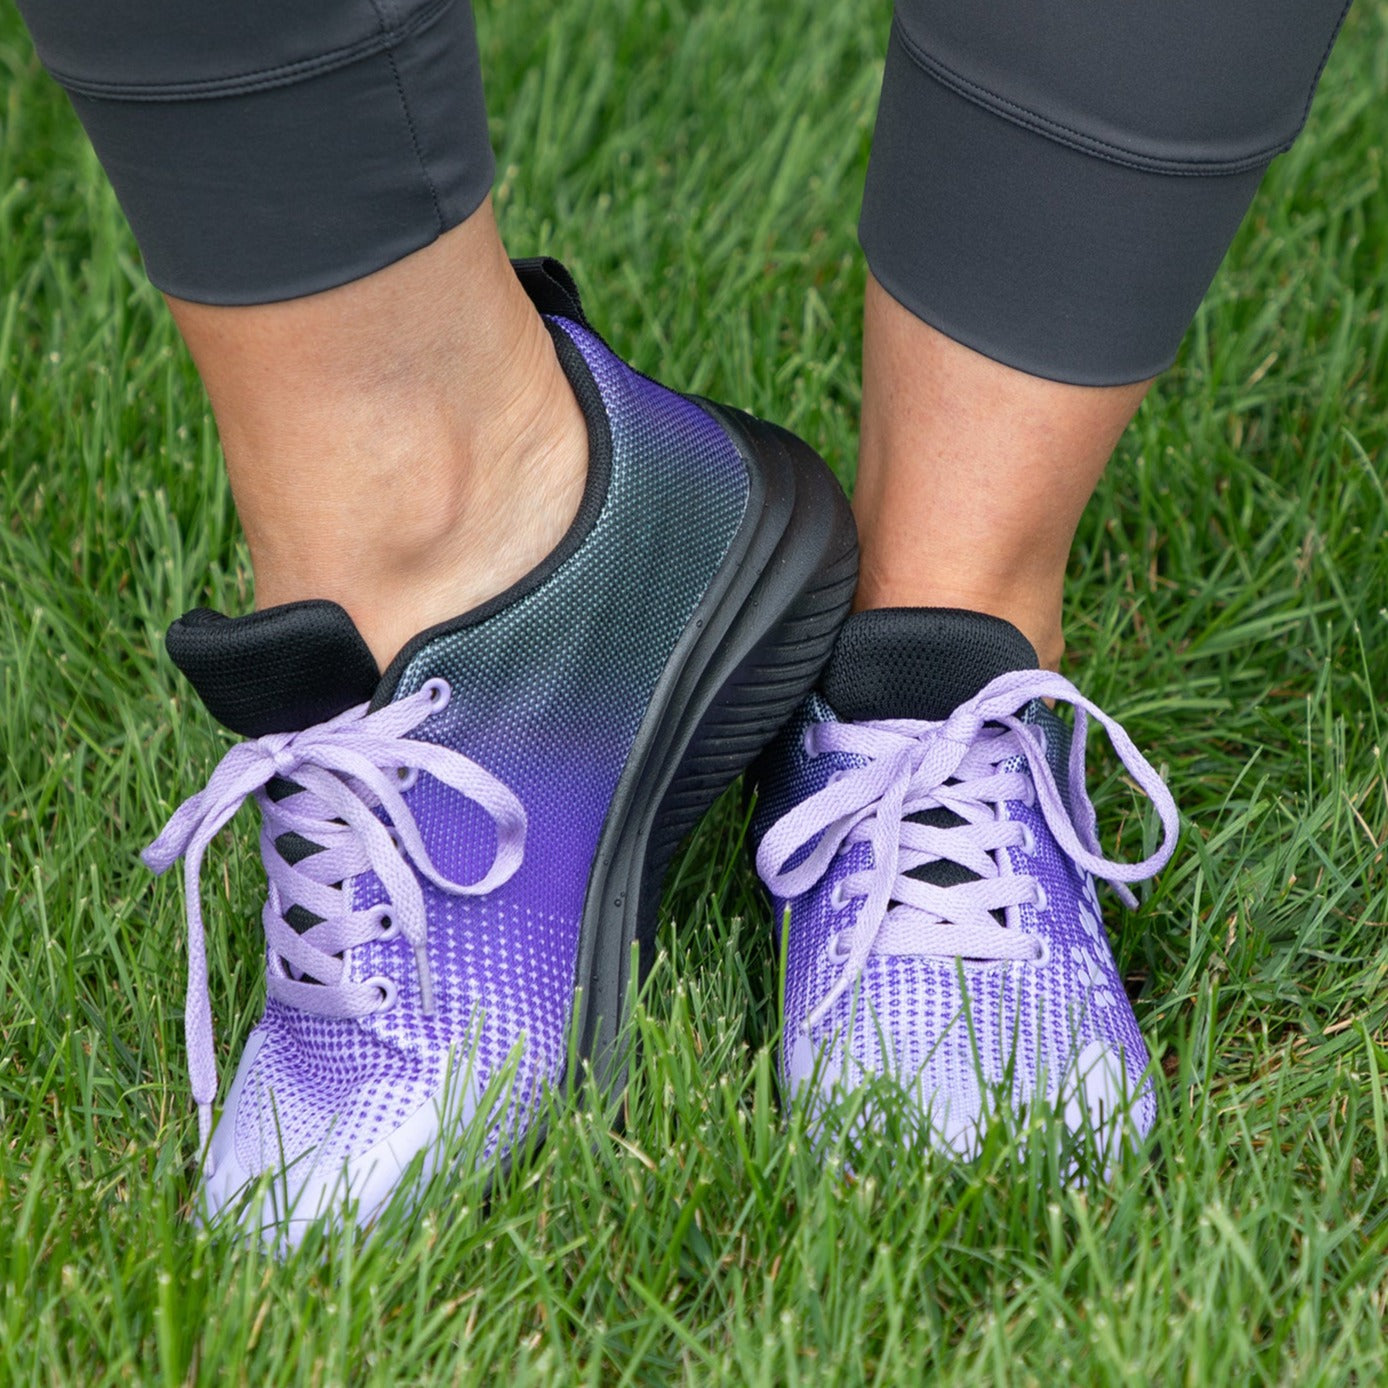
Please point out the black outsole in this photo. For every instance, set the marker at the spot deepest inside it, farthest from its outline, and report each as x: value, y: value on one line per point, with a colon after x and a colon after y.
x: 753, y: 649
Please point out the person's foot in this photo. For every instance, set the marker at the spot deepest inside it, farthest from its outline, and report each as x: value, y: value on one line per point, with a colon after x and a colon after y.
x: 463, y: 851
x: 925, y: 835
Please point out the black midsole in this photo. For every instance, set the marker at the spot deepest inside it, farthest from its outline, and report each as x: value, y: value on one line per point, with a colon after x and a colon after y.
x: 753, y: 649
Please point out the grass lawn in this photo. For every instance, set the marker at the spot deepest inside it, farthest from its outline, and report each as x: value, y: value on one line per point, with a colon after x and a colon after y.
x: 699, y: 167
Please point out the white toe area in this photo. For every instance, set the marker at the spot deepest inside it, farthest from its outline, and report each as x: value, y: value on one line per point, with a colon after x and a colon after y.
x: 1096, y: 1096
x: 306, y: 1191
x: 949, y: 1122
x: 1099, y: 1098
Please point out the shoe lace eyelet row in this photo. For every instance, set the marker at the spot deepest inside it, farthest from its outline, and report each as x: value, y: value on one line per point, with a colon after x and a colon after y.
x: 351, y: 770
x: 991, y: 756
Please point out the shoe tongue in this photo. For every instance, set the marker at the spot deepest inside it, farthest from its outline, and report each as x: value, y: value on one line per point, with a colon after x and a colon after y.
x: 921, y: 662
x: 275, y: 671
x: 918, y: 662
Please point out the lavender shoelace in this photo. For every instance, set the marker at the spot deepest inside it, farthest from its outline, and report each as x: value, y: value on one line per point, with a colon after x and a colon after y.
x: 347, y: 768
x: 908, y: 767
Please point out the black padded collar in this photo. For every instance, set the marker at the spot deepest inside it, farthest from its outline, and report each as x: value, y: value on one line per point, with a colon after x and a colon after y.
x: 918, y: 662
x: 275, y: 671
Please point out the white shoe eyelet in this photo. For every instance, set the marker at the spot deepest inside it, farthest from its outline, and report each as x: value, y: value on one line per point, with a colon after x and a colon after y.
x: 1043, y: 951
x: 397, y: 841
x: 836, y: 950
x: 386, y: 925
x: 405, y: 778
x: 839, y: 899
x: 808, y: 741
x: 1028, y: 844
x: 439, y: 692
x: 1042, y: 902
x: 386, y: 988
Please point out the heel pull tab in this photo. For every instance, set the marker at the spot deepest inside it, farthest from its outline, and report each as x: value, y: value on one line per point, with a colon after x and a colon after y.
x: 551, y: 288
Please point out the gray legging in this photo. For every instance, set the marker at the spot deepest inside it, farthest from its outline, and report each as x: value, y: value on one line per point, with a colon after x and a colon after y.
x: 1053, y: 182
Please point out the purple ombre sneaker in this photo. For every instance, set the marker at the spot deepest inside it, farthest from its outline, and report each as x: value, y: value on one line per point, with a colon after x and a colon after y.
x: 463, y: 851
x: 924, y: 823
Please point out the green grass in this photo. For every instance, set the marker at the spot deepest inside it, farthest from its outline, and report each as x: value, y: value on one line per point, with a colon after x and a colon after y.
x: 1227, y: 601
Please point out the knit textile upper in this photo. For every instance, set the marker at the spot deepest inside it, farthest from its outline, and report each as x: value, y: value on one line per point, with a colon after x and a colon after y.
x: 1043, y: 1013
x: 548, y: 686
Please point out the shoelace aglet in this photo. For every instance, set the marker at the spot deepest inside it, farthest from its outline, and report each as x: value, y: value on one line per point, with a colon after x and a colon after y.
x: 205, y: 1136
x: 426, y: 978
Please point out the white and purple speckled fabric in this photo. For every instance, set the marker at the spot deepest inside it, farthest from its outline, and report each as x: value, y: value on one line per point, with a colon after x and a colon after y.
x: 1053, y: 1021
x: 547, y: 694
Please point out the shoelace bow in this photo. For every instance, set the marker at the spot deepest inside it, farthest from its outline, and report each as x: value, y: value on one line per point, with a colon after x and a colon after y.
x: 909, y: 767
x: 347, y: 768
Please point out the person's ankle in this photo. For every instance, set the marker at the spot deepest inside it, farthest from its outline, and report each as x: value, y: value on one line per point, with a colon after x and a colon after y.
x: 406, y: 444
x: 464, y: 507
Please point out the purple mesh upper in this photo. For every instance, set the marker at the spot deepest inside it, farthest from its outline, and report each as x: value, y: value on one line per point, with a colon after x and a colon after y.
x: 547, y: 695
x: 950, y: 1030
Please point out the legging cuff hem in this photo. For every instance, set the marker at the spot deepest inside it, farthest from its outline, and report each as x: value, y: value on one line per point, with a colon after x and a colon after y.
x: 1036, y: 253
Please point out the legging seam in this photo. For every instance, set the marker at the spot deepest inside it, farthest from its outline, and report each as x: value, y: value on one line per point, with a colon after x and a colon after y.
x: 284, y: 75
x: 1058, y: 133
x: 1320, y: 67
x: 409, y: 118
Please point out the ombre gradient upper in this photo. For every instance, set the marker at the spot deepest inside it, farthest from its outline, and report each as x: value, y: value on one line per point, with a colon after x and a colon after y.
x: 548, y: 694
x: 957, y: 1034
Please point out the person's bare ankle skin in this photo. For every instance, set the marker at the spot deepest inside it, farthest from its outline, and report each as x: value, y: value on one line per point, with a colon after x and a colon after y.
x: 972, y: 475
x: 406, y: 445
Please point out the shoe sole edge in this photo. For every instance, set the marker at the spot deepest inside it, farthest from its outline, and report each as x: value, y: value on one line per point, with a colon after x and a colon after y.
x: 761, y: 635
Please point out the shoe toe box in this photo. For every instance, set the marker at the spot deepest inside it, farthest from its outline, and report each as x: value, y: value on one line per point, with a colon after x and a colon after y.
x: 287, y: 1155
x: 960, y: 1046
